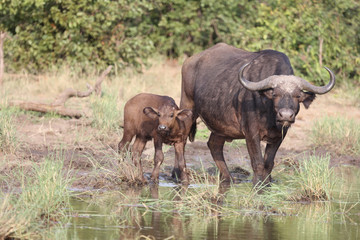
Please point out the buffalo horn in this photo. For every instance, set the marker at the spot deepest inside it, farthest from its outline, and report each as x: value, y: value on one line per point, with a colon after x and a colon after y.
x: 253, y: 86
x: 319, y: 90
x: 268, y: 83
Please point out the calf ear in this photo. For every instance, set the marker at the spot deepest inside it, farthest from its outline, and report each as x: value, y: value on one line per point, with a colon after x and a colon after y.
x: 150, y: 112
x: 183, y: 114
x: 307, y: 98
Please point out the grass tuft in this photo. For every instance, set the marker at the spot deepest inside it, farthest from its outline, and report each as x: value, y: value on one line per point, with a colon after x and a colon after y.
x: 313, y: 180
x: 113, y: 169
x: 8, y: 139
x: 337, y: 133
x: 41, y: 203
x: 106, y: 112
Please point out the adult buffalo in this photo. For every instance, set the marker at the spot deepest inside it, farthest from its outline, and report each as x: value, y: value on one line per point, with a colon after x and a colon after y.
x: 245, y: 95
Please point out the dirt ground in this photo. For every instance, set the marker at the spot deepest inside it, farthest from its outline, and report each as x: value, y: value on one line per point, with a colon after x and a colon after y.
x: 78, y: 140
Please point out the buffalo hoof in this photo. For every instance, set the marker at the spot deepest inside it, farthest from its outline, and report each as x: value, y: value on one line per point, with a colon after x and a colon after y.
x: 226, y: 179
x: 261, y: 183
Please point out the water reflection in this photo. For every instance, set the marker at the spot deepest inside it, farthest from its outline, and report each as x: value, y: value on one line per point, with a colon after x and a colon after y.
x: 124, y: 216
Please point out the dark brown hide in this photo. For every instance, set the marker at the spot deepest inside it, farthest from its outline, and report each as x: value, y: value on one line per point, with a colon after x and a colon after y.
x: 149, y: 116
x: 211, y: 88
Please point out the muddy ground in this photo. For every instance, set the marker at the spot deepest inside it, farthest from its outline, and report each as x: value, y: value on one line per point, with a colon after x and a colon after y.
x: 40, y: 135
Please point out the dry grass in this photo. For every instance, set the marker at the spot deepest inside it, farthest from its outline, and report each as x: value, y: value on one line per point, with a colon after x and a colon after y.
x: 113, y: 169
x: 162, y: 77
x: 337, y: 133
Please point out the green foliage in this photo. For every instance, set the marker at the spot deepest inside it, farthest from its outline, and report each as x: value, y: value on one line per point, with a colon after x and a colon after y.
x: 82, y: 31
x: 125, y: 32
x: 337, y: 133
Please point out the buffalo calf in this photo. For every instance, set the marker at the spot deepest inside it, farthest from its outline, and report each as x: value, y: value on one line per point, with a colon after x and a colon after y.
x: 148, y: 116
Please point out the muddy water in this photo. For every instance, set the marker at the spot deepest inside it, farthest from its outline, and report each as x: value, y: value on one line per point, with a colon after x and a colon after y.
x: 336, y: 220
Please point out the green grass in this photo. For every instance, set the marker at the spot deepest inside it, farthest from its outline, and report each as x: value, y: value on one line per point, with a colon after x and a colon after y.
x: 202, y: 134
x: 313, y: 179
x: 41, y: 203
x: 236, y: 143
x: 106, y: 112
x: 8, y: 139
x: 337, y: 133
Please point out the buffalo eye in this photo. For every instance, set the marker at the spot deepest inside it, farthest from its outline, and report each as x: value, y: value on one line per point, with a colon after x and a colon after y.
x: 158, y: 114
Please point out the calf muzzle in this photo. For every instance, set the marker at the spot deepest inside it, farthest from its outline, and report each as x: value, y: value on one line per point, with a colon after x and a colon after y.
x: 162, y: 128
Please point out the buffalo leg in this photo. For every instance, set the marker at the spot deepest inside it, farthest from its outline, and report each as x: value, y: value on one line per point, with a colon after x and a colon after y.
x: 216, y: 145
x: 158, y: 159
x: 137, y: 150
x: 180, y: 159
x: 270, y: 152
x: 257, y: 160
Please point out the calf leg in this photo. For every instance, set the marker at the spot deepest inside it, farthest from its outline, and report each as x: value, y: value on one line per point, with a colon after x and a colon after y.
x: 125, y: 141
x: 137, y: 150
x: 158, y: 159
x: 180, y: 159
x: 216, y: 145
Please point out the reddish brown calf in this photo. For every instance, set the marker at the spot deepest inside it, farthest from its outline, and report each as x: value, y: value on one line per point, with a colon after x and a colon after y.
x: 148, y: 116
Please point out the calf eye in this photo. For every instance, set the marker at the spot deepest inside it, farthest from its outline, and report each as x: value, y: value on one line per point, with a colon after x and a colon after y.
x: 158, y: 114
x: 171, y: 115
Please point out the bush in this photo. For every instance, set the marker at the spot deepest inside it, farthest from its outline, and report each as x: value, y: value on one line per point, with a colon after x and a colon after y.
x: 313, y: 33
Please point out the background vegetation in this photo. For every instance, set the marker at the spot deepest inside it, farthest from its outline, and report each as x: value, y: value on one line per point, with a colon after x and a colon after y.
x: 47, y: 33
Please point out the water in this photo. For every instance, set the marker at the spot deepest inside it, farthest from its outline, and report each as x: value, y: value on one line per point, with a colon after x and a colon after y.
x: 112, y: 217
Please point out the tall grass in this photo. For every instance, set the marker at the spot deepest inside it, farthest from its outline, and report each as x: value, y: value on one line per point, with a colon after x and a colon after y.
x: 106, y: 112
x: 8, y: 139
x: 113, y: 169
x: 350, y: 92
x: 337, y: 133
x: 40, y: 204
x: 313, y: 179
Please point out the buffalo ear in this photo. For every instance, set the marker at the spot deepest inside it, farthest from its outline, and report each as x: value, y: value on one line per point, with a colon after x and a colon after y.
x: 307, y: 98
x: 268, y: 93
x: 150, y: 112
x: 184, y: 114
